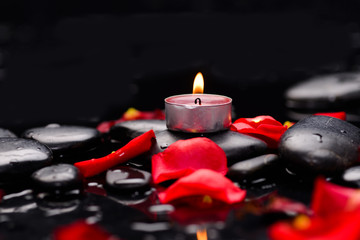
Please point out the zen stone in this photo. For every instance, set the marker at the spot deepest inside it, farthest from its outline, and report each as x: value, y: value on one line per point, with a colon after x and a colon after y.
x: 325, y: 92
x: 57, y: 178
x: 21, y: 157
x: 236, y: 146
x: 5, y: 133
x: 126, y: 131
x: 65, y: 139
x: 349, y: 178
x: 127, y: 179
x: 320, y: 144
x: 261, y: 165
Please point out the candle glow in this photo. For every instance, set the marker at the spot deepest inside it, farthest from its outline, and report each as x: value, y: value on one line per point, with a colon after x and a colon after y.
x: 198, y: 86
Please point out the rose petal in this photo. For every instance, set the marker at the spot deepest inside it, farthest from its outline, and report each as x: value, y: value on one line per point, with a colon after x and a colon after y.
x: 265, y: 128
x: 135, y: 147
x: 80, y: 230
x: 329, y: 198
x: 339, y: 115
x: 185, y: 156
x: 204, y: 182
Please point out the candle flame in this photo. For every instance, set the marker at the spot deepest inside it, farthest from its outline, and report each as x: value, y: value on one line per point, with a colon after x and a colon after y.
x: 201, y: 234
x: 198, y: 83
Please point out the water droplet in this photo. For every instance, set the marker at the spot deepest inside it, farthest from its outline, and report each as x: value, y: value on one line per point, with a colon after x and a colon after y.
x: 343, y: 131
x: 318, y: 136
x: 164, y: 146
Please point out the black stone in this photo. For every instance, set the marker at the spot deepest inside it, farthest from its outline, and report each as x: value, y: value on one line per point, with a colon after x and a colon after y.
x: 349, y: 178
x: 126, y: 131
x: 21, y: 157
x: 5, y: 133
x: 126, y: 179
x: 333, y: 91
x: 320, y: 144
x: 63, y: 140
x: 259, y: 166
x: 57, y: 178
x: 236, y: 146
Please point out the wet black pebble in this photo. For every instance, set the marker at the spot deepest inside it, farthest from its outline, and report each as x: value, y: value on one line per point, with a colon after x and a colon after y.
x: 21, y: 157
x: 259, y: 166
x: 57, y: 178
x: 126, y: 131
x: 325, y: 92
x: 320, y: 144
x: 126, y: 179
x: 349, y: 178
x: 5, y: 133
x: 236, y: 146
x: 65, y: 140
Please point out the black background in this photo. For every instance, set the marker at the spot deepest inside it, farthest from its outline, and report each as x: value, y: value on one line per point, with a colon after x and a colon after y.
x: 83, y: 62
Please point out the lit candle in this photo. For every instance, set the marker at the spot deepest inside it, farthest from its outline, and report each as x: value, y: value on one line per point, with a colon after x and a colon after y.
x: 198, y: 112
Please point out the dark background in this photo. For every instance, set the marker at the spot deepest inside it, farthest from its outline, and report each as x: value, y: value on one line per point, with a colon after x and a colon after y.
x: 82, y: 62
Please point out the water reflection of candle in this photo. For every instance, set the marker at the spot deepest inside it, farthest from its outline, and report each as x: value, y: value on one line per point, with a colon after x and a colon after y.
x: 198, y: 112
x: 201, y: 234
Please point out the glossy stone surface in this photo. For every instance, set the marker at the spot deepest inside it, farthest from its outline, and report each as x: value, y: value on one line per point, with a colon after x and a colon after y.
x: 127, y: 179
x: 236, y: 146
x: 57, y: 178
x: 21, y: 157
x: 125, y: 131
x: 261, y: 165
x: 349, y: 178
x: 320, y: 144
x: 5, y: 133
x: 65, y: 139
x: 325, y: 92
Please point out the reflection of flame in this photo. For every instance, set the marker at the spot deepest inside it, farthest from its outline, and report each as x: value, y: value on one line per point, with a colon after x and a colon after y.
x: 198, y: 84
x: 201, y: 234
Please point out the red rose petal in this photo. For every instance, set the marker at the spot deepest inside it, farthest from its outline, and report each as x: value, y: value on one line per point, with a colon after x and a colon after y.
x: 339, y: 115
x: 329, y: 198
x: 135, y: 147
x: 265, y: 128
x: 80, y: 230
x: 185, y: 156
x: 204, y: 182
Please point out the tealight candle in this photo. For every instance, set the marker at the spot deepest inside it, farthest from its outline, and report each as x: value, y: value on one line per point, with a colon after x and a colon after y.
x: 198, y: 112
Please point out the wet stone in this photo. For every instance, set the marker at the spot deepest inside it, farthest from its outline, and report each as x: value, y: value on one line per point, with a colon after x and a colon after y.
x: 236, y: 146
x: 349, y: 178
x: 57, y: 178
x: 320, y: 144
x: 259, y: 166
x: 62, y: 139
x: 5, y: 133
x: 21, y: 157
x: 126, y: 179
x: 126, y: 131
x: 340, y: 90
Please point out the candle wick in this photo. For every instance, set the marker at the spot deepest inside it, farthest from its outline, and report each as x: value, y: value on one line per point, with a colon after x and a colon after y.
x: 198, y: 100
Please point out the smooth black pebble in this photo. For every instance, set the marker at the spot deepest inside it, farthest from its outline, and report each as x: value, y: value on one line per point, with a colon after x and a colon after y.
x: 5, y: 133
x: 21, y: 157
x: 57, y: 178
x: 263, y: 165
x: 66, y: 140
x: 126, y: 131
x: 126, y: 179
x: 320, y: 144
x: 349, y: 178
x: 325, y: 92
